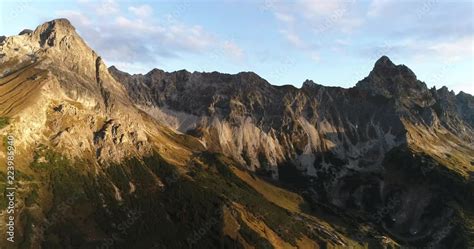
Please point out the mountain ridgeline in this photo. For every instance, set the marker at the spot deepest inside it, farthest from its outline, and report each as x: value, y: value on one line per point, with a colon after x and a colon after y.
x: 106, y: 159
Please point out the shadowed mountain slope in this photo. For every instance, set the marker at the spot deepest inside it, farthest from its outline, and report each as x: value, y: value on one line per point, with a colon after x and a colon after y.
x: 387, y: 137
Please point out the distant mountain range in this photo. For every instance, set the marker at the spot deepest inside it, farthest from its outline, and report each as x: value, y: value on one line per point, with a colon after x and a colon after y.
x: 106, y: 159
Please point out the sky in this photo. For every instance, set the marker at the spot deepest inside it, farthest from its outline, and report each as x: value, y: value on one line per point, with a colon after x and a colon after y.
x: 332, y: 42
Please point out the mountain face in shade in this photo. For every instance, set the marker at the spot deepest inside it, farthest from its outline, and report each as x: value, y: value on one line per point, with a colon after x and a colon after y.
x: 262, y: 125
x: 355, y: 148
x: 390, y: 80
x: 213, y: 160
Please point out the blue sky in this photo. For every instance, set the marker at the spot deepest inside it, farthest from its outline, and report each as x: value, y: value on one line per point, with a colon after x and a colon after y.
x: 332, y: 42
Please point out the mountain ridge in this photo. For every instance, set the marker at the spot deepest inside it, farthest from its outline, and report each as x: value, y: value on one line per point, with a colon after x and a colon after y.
x: 308, y: 82
x: 422, y: 96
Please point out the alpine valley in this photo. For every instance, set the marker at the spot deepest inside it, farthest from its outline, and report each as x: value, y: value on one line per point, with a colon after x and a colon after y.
x: 106, y: 159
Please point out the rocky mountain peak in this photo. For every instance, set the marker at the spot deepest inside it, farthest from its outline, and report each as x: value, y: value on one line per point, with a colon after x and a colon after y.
x: 25, y: 32
x: 156, y: 72
x: 58, y: 41
x: 463, y: 94
x: 384, y: 61
x: 55, y: 46
x: 445, y: 91
x: 391, y: 80
x: 465, y: 105
x: 385, y: 68
x: 251, y: 79
x: 57, y: 38
x: 52, y: 32
x: 113, y: 68
x: 309, y: 84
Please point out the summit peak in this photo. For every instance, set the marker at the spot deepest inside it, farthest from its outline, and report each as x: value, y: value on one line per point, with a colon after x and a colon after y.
x: 50, y: 32
x: 385, y: 68
x: 60, y: 23
x: 389, y: 79
x: 384, y: 61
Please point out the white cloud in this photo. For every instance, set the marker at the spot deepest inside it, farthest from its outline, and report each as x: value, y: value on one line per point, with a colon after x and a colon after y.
x: 192, y: 38
x: 446, y: 50
x: 308, y: 23
x: 233, y: 50
x: 175, y: 37
x: 76, y: 17
x: 284, y: 17
x: 350, y: 24
x: 293, y: 38
x: 141, y: 10
x: 135, y: 25
x: 319, y: 8
x: 455, y: 49
x: 331, y: 15
x: 106, y: 7
x: 140, y: 39
x: 320, y: 16
x: 378, y: 7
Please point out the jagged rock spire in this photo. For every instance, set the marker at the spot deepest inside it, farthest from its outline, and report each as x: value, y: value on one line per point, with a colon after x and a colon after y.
x: 389, y: 79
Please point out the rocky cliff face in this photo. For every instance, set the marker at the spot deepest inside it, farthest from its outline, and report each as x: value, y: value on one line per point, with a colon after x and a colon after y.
x: 263, y: 125
x: 354, y: 148
x: 58, y: 90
